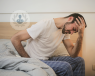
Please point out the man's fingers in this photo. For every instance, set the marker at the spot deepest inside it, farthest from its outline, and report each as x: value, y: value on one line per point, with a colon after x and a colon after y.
x: 76, y: 24
x: 81, y: 19
x: 83, y: 22
x: 78, y: 21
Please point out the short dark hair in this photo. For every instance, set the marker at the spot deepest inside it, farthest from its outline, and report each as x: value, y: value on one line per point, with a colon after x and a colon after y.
x: 75, y: 15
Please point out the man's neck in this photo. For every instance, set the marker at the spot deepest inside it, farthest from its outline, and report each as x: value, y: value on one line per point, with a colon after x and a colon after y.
x: 59, y: 22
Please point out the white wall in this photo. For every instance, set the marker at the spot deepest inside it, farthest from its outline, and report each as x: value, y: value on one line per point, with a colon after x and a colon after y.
x: 89, y: 44
x: 41, y: 9
x: 8, y: 6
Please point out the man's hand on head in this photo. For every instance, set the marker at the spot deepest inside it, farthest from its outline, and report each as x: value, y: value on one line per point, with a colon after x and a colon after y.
x: 81, y: 26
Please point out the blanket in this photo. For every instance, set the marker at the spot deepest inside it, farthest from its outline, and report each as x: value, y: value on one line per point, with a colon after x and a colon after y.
x: 30, y: 66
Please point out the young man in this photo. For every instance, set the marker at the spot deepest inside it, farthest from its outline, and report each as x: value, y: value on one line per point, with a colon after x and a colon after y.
x: 44, y: 37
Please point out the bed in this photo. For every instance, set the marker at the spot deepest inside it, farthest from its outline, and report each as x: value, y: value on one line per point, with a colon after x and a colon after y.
x: 7, y: 49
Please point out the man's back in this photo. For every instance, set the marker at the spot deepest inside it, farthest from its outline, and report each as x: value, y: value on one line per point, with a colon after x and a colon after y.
x: 46, y: 37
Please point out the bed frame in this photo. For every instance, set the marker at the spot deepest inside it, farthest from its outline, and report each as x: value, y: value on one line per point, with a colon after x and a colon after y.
x: 6, y: 32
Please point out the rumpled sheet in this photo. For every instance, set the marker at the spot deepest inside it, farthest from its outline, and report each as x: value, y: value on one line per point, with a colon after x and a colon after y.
x: 30, y: 66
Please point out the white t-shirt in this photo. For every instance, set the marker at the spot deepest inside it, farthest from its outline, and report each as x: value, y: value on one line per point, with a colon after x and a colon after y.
x: 46, y: 38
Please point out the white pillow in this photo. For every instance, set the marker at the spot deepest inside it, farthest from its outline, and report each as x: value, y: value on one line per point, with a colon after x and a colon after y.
x: 61, y: 51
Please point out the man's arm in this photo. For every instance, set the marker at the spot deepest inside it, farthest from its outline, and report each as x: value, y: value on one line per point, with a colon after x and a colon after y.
x: 16, y: 41
x: 74, y: 50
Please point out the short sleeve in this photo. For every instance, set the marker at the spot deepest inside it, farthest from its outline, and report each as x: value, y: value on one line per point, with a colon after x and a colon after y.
x: 35, y: 30
x: 67, y: 36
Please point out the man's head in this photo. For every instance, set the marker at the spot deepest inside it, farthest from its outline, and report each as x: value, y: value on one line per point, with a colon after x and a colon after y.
x: 70, y: 26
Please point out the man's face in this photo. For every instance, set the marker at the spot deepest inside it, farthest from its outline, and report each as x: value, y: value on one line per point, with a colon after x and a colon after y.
x: 69, y: 28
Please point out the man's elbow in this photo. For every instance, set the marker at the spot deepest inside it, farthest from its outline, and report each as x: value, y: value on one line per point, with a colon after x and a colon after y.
x: 14, y: 38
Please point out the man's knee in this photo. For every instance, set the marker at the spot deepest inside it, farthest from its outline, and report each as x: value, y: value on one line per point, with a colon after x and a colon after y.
x: 67, y: 65
x: 64, y: 68
x: 80, y: 60
x: 62, y: 65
